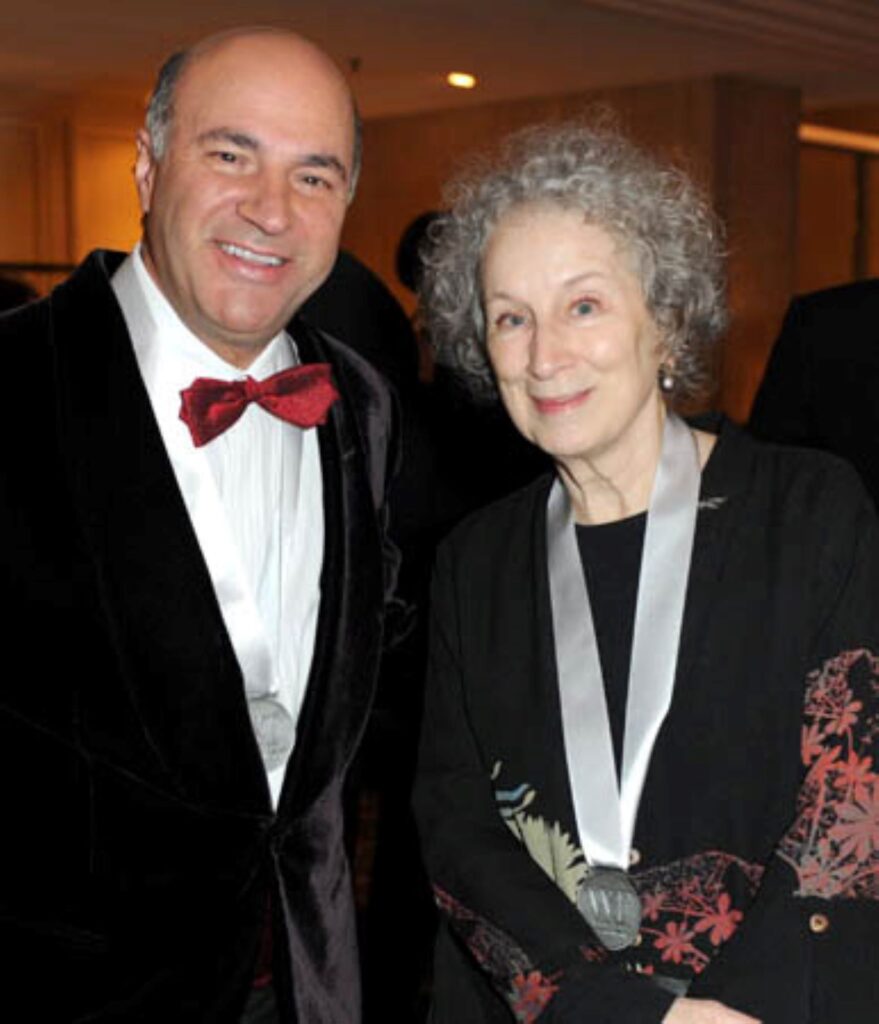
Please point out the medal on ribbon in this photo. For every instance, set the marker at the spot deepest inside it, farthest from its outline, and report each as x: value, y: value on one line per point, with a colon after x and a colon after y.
x: 274, y: 730
x: 605, y: 810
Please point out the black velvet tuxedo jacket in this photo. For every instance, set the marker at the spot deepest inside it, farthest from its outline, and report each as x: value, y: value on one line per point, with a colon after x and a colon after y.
x: 822, y: 381
x: 140, y: 849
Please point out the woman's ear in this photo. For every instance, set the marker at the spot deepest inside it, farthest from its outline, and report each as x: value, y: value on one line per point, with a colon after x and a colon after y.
x: 665, y: 372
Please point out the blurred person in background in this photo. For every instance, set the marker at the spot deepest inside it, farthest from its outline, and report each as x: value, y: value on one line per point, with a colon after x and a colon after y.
x: 822, y: 380
x: 14, y: 293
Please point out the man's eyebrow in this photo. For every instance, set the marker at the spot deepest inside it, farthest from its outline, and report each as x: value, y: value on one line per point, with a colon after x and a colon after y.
x: 240, y: 139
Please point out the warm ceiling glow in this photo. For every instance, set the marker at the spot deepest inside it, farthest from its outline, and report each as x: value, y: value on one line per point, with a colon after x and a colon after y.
x: 837, y: 138
x: 461, y: 80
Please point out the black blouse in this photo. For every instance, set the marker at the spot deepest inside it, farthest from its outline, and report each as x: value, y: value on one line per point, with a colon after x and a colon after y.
x: 611, y: 558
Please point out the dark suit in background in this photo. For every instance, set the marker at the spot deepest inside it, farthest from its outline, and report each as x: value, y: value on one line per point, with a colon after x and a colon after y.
x: 821, y: 388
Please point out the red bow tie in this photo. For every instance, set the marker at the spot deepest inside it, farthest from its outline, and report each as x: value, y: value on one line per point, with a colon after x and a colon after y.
x: 301, y: 395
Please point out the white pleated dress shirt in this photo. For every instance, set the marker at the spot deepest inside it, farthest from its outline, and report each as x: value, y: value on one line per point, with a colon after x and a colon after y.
x: 254, y: 496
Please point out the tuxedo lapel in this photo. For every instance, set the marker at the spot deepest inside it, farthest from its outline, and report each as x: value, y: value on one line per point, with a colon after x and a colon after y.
x: 161, y: 611
x: 339, y: 690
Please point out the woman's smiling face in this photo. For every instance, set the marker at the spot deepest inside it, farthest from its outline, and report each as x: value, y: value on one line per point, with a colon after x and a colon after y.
x: 570, y: 339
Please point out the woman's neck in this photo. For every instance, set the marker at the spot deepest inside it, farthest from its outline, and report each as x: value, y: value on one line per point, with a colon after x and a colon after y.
x: 603, y: 494
x: 618, y: 483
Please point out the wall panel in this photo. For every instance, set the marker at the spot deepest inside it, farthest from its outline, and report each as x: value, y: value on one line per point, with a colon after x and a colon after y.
x: 105, y: 209
x: 828, y: 218
x: 19, y: 191
x: 870, y: 207
x: 755, y: 190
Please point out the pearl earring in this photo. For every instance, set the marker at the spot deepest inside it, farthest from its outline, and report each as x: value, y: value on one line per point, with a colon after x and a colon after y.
x: 666, y: 379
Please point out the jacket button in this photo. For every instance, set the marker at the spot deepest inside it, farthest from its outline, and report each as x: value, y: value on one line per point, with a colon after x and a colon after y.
x: 819, y: 923
x: 634, y: 857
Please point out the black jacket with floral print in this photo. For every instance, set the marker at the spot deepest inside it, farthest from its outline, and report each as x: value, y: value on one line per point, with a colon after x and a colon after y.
x: 757, y: 840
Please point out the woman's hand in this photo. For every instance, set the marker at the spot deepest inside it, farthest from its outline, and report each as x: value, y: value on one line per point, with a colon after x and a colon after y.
x: 704, y: 1011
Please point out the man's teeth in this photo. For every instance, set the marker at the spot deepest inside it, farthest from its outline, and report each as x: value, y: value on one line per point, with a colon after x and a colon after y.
x: 251, y: 257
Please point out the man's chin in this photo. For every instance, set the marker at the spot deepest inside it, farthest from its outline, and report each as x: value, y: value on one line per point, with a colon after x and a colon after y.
x: 240, y: 343
x: 252, y: 326
x: 248, y: 321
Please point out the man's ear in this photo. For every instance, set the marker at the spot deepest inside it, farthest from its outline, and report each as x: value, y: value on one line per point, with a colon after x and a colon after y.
x: 144, y: 171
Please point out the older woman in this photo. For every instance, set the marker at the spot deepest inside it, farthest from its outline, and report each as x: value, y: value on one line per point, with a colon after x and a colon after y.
x: 647, y: 788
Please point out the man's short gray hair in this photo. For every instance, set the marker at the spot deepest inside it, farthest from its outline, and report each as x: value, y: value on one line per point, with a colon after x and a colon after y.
x: 160, y: 109
x: 656, y: 212
x: 160, y: 113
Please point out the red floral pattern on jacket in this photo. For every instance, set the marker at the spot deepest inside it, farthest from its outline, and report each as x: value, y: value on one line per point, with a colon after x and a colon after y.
x: 691, y: 907
x: 688, y: 909
x: 833, y: 845
x: 526, y: 989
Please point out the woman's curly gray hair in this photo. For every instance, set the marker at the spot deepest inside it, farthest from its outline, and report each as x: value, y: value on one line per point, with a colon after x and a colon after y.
x: 654, y: 209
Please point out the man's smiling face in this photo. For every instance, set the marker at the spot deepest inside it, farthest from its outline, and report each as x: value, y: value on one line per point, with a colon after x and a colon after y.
x: 244, y: 208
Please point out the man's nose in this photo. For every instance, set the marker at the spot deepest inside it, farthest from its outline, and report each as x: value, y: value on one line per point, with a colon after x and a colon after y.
x: 267, y: 203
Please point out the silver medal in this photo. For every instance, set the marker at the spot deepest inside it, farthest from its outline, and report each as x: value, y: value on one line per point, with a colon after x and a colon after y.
x: 611, y: 907
x: 274, y: 730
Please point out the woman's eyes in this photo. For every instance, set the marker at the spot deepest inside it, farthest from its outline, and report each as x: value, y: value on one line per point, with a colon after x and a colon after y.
x: 507, y: 320
x: 583, y: 307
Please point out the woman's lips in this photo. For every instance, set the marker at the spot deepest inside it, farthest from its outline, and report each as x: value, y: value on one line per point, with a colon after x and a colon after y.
x: 548, y: 406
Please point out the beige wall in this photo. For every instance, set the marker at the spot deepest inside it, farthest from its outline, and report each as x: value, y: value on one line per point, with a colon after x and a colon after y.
x: 828, y: 218
x: 839, y: 204
x: 65, y: 177
x: 755, y: 187
x: 838, y: 217
x: 738, y: 137
x: 34, y: 208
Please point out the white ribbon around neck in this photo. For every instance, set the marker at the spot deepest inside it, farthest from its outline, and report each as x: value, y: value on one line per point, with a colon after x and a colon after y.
x: 605, y: 810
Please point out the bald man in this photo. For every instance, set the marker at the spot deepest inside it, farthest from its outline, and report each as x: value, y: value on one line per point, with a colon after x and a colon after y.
x: 194, y: 574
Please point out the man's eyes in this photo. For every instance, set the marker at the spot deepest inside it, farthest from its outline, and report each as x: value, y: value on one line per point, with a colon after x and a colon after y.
x: 316, y: 181
x: 225, y: 156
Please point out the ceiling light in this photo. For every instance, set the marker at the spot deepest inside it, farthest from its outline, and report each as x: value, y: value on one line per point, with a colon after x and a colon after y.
x: 461, y: 80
